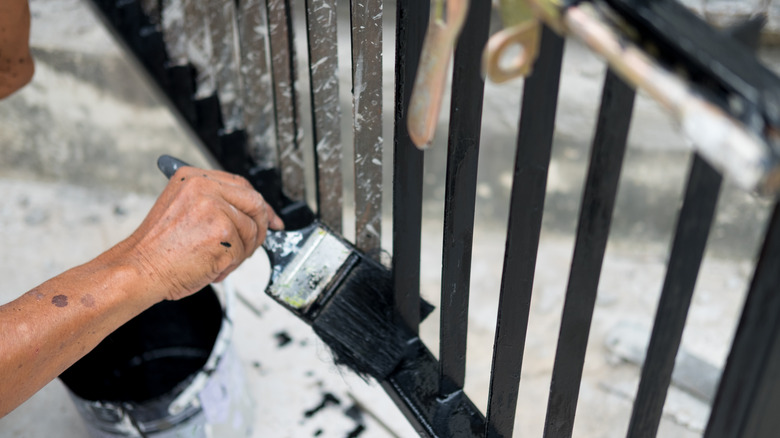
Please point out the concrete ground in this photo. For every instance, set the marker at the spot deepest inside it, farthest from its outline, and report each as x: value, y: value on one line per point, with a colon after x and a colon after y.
x: 77, y: 174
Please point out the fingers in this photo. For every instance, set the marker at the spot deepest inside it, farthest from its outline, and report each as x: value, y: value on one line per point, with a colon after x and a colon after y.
x: 237, y: 191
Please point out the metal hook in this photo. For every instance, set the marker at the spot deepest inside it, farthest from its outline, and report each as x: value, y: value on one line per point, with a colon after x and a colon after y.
x: 444, y: 26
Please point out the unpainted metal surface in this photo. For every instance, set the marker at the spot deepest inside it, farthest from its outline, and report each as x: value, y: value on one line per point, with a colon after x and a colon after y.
x: 366, y: 18
x: 326, y: 112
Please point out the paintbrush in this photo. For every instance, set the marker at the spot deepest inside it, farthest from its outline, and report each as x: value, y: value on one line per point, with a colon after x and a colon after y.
x: 345, y: 296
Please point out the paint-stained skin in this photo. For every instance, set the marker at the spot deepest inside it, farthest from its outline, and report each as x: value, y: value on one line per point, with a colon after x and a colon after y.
x: 60, y: 300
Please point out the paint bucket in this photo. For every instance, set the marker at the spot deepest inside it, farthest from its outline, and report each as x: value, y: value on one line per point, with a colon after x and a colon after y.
x: 169, y: 372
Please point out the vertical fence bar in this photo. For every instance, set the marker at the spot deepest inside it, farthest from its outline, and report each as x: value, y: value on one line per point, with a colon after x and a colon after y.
x: 326, y: 113
x: 283, y: 66
x: 532, y: 160
x: 748, y: 397
x: 598, y: 202
x: 411, y: 22
x: 366, y: 20
x: 173, y: 31
x: 152, y: 10
x: 693, y: 227
x: 198, y: 47
x: 258, y: 101
x: 224, y: 36
x: 461, y: 186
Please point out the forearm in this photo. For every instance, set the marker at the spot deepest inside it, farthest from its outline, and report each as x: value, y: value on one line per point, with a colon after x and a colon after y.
x: 49, y: 328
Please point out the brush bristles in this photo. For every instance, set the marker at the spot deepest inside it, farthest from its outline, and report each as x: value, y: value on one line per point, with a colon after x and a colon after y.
x: 358, y: 323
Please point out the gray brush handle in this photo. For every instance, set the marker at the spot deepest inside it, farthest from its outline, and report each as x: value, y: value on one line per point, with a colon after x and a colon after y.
x: 169, y: 165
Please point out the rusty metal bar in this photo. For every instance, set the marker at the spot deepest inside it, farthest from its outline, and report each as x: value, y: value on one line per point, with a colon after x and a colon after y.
x: 173, y: 24
x: 326, y: 113
x: 224, y: 36
x: 284, y: 68
x: 366, y: 20
x: 258, y: 99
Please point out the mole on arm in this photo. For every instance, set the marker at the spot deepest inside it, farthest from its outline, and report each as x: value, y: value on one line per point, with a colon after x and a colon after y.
x: 60, y: 300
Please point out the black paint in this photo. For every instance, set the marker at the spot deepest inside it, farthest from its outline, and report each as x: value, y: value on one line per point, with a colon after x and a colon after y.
x: 225, y: 244
x: 411, y: 22
x: 282, y: 339
x: 690, y: 239
x: 534, y: 145
x: 460, y: 195
x: 328, y: 399
x: 749, y: 393
x: 413, y: 386
x: 598, y: 202
x: 358, y: 322
x: 357, y: 431
x: 355, y: 413
x: 151, y: 354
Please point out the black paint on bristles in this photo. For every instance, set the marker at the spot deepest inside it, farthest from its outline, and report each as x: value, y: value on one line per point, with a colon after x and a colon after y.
x: 358, y: 322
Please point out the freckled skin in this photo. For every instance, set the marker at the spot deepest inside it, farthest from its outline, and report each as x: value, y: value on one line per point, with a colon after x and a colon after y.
x: 60, y: 300
x: 87, y: 300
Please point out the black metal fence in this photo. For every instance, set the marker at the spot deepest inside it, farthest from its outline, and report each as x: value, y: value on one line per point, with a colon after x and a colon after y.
x: 220, y: 68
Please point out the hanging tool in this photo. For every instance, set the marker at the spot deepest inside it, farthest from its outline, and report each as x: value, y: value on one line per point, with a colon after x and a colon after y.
x: 444, y: 26
x: 511, y: 52
x: 726, y: 103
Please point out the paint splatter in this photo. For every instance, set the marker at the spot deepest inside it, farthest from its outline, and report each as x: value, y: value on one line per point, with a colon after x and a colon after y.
x: 355, y: 413
x: 327, y: 399
x: 88, y: 300
x: 282, y: 339
x: 225, y: 244
x: 356, y: 432
x: 60, y: 300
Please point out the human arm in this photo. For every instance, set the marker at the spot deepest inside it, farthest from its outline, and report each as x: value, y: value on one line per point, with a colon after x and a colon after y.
x: 16, y: 63
x: 178, y: 249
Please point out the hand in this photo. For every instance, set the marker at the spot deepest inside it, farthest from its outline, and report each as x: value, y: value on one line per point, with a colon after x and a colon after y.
x: 203, y: 225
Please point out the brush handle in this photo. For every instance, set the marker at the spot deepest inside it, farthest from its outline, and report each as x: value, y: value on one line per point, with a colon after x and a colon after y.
x: 168, y: 165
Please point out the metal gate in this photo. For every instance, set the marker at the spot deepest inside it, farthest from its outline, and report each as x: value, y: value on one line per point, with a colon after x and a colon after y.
x: 222, y: 63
